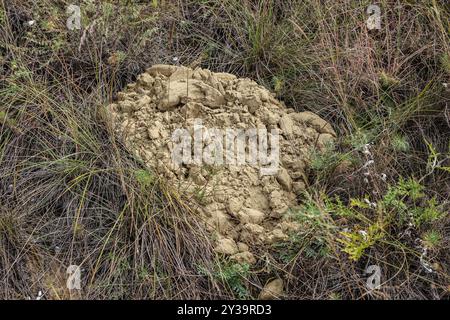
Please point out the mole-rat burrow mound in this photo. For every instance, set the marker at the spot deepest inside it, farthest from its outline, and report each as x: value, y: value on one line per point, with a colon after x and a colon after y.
x: 243, y: 209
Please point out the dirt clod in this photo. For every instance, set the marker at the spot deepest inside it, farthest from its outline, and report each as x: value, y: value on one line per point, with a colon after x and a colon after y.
x: 239, y: 202
x: 272, y: 290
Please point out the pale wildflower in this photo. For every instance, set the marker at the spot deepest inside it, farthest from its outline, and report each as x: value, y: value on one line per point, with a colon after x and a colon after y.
x: 366, y: 150
x: 40, y: 295
x: 363, y: 233
x: 371, y: 204
x: 425, y: 264
x: 368, y: 163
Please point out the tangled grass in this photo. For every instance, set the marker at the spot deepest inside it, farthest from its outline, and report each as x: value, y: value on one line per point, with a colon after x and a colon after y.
x: 71, y: 194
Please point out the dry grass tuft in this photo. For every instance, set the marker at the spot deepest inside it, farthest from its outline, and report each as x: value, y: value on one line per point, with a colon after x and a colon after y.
x: 70, y: 193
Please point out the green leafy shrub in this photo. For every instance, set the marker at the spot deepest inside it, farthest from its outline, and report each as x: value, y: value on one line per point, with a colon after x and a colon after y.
x: 144, y: 178
x: 400, y: 143
x: 408, y: 200
x: 432, y: 238
x: 356, y: 242
x: 234, y: 275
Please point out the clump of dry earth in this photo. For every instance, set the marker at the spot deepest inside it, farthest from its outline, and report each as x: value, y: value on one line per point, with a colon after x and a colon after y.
x: 243, y: 208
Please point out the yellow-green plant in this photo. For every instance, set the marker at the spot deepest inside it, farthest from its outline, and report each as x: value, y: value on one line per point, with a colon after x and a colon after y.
x: 355, y: 243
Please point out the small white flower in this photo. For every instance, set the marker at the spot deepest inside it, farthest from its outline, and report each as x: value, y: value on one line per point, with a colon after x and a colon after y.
x: 40, y: 295
x: 383, y: 177
x: 175, y: 59
x: 371, y: 204
x: 368, y: 163
x: 31, y: 23
x: 363, y: 233
x: 445, y: 85
x: 424, y: 263
x: 366, y: 149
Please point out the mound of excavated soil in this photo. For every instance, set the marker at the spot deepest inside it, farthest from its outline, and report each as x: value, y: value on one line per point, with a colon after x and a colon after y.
x: 242, y: 205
